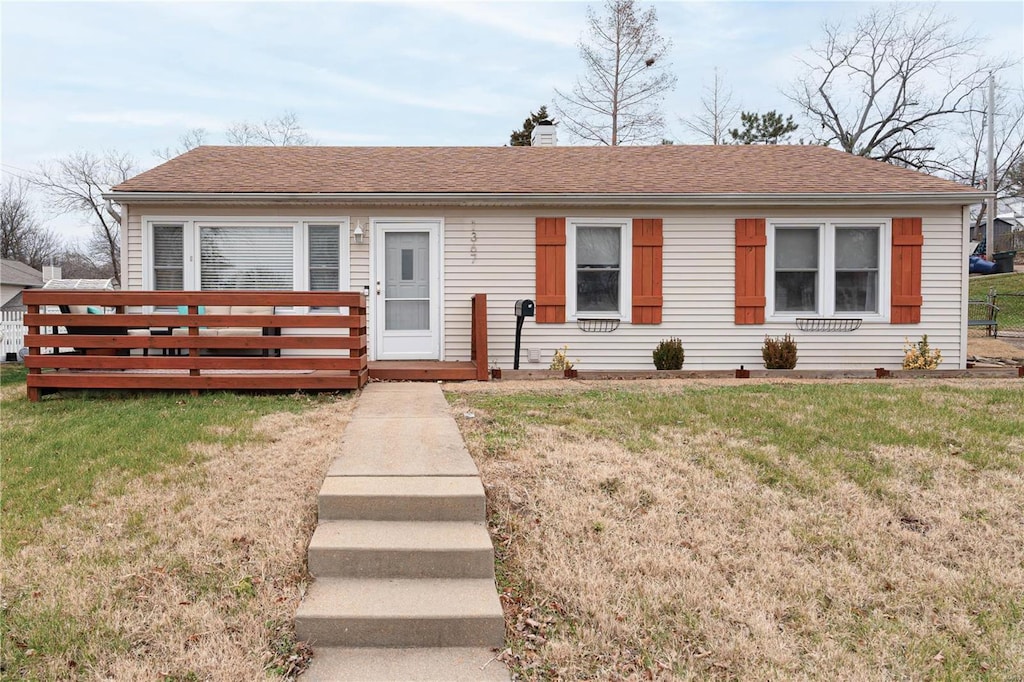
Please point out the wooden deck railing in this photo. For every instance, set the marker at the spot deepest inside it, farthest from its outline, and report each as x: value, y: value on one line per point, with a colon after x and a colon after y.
x: 111, y: 351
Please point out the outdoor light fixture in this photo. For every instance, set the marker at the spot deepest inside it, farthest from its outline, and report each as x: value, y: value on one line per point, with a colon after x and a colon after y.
x: 358, y: 233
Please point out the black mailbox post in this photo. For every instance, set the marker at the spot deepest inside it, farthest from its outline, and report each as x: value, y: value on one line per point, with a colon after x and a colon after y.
x: 524, y: 308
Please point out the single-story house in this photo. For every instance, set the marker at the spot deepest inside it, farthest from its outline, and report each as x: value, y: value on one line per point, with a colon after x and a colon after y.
x: 620, y: 247
x: 15, y: 277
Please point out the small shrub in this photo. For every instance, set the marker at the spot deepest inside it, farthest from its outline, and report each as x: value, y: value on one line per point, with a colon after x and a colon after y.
x: 669, y: 354
x: 560, y: 360
x: 920, y: 355
x: 779, y: 353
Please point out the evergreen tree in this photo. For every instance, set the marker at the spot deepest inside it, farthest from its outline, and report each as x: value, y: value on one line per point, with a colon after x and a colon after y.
x: 769, y: 128
x: 521, y: 138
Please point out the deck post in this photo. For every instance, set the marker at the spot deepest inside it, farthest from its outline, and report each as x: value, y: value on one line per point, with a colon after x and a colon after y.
x: 33, y: 391
x: 478, y: 342
x: 193, y: 352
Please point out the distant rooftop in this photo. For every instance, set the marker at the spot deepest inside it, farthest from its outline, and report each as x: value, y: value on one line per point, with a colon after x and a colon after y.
x: 17, y: 273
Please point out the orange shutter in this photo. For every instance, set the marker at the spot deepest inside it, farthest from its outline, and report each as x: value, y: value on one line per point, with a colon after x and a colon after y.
x: 550, y: 270
x: 750, y: 243
x: 907, y: 240
x: 647, y: 248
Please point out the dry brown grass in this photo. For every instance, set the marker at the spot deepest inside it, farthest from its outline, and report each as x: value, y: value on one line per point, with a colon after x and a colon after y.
x: 191, y: 574
x: 679, y: 562
x: 987, y: 347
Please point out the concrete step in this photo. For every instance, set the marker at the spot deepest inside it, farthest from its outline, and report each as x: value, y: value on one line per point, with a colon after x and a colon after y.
x: 401, y: 498
x: 409, y: 665
x: 402, y: 446
x: 401, y: 613
x: 401, y: 549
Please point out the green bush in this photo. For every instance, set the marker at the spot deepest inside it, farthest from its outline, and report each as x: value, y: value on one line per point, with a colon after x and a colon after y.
x: 669, y: 354
x: 779, y: 353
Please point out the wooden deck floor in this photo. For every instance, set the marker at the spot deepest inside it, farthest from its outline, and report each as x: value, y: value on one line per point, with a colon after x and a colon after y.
x: 422, y: 370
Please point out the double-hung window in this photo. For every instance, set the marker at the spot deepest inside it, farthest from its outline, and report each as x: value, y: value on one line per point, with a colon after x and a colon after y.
x: 598, y: 269
x: 827, y: 268
x: 168, y: 256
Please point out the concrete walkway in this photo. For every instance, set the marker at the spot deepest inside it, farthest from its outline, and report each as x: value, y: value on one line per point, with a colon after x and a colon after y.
x: 403, y: 564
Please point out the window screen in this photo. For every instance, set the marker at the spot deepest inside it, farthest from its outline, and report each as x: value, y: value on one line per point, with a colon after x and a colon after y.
x: 168, y: 257
x: 598, y: 268
x: 796, y: 270
x: 857, y: 269
x: 324, y: 257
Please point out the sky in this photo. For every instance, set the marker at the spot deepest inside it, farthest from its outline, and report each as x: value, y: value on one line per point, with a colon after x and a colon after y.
x: 133, y: 76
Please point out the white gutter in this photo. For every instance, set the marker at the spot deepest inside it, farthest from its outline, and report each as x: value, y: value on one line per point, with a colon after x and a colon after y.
x: 548, y: 199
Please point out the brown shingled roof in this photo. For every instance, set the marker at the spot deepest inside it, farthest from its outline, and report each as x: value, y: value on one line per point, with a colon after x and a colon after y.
x: 683, y: 169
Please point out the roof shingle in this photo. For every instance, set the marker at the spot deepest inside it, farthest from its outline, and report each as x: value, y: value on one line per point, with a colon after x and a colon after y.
x: 668, y: 169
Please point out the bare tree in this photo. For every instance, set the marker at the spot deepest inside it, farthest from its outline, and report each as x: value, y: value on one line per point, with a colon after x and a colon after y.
x: 969, y: 143
x: 283, y: 130
x: 22, y: 237
x: 75, y: 184
x: 618, y: 99
x: 188, y: 140
x: 717, y: 112
x: 886, y: 88
x: 76, y: 263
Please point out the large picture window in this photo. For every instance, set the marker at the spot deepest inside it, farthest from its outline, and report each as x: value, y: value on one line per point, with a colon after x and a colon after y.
x: 598, y: 268
x: 246, y: 254
x: 827, y: 268
x: 246, y: 257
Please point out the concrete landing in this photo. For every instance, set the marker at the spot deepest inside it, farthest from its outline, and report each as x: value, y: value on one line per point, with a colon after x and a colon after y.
x: 403, y: 564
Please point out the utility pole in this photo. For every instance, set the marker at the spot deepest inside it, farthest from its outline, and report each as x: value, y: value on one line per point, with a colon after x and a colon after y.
x: 990, y: 228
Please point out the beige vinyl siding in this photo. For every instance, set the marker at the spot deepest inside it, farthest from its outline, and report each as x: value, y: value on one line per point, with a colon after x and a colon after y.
x: 698, y: 293
x: 699, y: 283
x: 131, y: 250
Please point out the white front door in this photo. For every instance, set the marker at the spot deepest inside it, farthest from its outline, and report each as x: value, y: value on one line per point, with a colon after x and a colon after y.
x: 407, y: 284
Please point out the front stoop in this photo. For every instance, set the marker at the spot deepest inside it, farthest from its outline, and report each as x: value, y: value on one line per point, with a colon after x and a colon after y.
x: 403, y: 564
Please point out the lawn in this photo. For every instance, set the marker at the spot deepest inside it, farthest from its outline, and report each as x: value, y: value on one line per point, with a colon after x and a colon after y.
x: 158, y: 536
x: 736, y: 530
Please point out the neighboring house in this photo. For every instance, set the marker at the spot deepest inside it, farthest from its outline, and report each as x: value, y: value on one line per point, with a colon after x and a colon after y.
x: 716, y: 245
x: 15, y: 277
x: 1003, y: 229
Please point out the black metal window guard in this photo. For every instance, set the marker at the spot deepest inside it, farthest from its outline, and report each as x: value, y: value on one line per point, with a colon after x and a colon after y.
x: 833, y: 324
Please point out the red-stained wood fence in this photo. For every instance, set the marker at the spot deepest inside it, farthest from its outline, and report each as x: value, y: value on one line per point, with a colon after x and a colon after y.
x: 313, y: 341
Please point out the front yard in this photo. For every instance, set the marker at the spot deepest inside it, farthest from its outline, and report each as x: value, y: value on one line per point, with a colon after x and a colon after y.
x: 157, y: 537
x: 735, y: 530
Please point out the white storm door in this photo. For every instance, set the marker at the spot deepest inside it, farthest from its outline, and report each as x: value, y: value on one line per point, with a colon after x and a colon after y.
x: 407, y: 319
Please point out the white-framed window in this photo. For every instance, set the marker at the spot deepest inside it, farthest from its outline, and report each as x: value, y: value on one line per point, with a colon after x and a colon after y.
x: 168, y: 256
x: 209, y: 254
x: 598, y: 268
x: 827, y: 268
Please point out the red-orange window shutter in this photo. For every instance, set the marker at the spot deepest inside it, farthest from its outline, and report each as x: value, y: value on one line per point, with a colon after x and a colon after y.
x: 648, y: 240
x: 550, y: 270
x: 907, y: 240
x: 750, y: 245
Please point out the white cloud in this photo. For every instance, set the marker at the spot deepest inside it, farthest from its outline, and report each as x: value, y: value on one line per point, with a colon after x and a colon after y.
x: 544, y: 23
x: 475, y: 100
x: 153, y: 118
